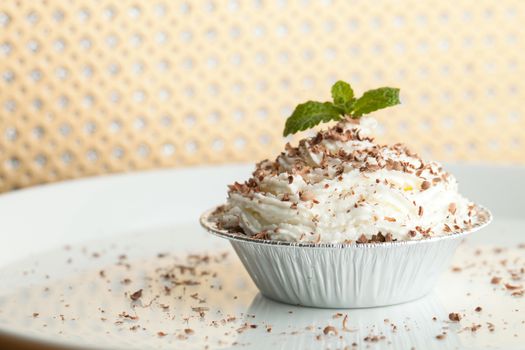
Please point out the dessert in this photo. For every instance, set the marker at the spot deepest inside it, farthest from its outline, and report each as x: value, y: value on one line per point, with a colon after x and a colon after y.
x: 340, y: 221
x: 341, y: 186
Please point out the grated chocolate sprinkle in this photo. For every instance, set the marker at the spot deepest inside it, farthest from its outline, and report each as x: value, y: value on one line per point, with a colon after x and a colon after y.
x: 454, y: 317
x: 136, y: 295
x: 330, y: 330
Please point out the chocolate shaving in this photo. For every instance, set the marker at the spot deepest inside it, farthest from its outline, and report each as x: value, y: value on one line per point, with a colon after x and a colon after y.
x: 475, y: 327
x: 495, y: 280
x: 262, y: 235
x: 330, y: 330
x: 362, y: 239
x: 452, y: 208
x: 512, y: 287
x: 306, y: 196
x: 374, y: 338
x: 454, y: 317
x: 345, y: 327
x: 136, y: 295
x: 124, y: 314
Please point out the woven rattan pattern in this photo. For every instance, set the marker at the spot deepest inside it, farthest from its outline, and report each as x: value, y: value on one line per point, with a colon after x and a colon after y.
x: 90, y: 87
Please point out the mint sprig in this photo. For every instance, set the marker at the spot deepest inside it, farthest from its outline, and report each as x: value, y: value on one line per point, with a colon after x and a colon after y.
x: 311, y: 113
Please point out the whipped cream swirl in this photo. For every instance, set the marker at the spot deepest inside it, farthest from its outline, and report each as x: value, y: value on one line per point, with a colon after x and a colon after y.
x: 341, y: 186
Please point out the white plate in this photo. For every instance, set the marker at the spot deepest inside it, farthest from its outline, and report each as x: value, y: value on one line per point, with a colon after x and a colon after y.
x: 56, y: 240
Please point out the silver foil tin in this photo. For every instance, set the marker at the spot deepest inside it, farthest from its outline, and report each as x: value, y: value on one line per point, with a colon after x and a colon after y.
x: 344, y: 275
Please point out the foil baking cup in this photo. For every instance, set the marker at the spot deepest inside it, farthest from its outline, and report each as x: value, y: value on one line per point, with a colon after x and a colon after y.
x: 342, y: 275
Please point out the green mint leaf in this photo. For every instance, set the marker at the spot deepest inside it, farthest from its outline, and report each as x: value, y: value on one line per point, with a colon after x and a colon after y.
x: 309, y: 114
x: 342, y: 93
x: 372, y: 100
x: 348, y: 107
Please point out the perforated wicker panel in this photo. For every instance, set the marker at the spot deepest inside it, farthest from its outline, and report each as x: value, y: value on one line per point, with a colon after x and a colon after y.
x: 89, y: 87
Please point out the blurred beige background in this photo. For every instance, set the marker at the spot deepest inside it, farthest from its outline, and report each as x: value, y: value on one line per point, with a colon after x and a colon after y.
x: 91, y: 87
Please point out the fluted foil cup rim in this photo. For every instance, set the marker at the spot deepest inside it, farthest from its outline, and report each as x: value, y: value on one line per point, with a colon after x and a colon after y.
x: 483, y: 215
